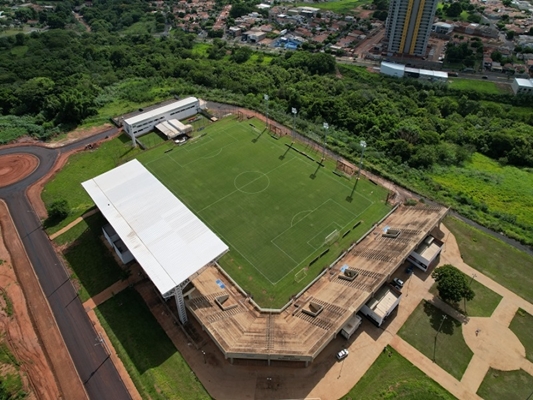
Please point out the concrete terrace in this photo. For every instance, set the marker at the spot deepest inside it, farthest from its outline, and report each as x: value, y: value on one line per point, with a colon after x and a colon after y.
x: 302, y: 330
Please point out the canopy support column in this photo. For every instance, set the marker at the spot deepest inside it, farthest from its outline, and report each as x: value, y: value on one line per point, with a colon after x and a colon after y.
x: 180, y: 303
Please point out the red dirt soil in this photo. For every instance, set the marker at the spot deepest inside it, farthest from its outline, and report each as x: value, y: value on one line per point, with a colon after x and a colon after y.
x: 32, y: 334
x: 14, y: 167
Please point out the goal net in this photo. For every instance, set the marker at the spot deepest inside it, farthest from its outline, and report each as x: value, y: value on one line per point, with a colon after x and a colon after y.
x: 332, y: 238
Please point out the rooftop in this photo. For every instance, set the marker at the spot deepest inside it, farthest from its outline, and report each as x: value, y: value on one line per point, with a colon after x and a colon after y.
x: 246, y: 332
x: 160, y: 110
x: 165, y: 237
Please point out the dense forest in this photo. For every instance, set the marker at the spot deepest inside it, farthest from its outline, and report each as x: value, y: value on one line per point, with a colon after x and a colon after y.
x: 55, y: 80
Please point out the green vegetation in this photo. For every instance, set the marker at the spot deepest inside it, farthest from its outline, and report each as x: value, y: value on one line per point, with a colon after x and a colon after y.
x: 244, y: 203
x: 448, y: 349
x: 475, y: 85
x: 503, y: 263
x: 92, y: 263
x: 452, y: 284
x: 11, y: 387
x: 522, y: 326
x: 392, y: 376
x: 483, y: 304
x: 81, y: 167
x: 506, y: 385
x: 152, y: 139
x: 337, y: 6
x: 485, y: 185
x: 154, y: 364
x: 7, y: 307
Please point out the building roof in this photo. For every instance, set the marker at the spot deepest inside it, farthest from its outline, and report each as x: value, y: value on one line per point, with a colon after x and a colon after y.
x: 165, y: 237
x: 245, y: 332
x: 527, y: 83
x: 160, y: 110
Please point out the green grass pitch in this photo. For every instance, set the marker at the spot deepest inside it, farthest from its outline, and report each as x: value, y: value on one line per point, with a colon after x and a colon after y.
x: 272, y: 206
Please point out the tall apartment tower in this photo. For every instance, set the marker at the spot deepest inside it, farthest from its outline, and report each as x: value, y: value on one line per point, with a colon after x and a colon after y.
x: 409, y: 25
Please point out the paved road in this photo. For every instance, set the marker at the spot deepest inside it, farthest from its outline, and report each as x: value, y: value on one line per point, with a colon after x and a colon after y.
x: 96, y: 370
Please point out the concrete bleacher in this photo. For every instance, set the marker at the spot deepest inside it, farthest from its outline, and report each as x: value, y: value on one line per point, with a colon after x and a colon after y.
x: 301, y: 331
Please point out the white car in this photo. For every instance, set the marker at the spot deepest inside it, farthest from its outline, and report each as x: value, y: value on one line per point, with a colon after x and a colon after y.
x: 341, y: 355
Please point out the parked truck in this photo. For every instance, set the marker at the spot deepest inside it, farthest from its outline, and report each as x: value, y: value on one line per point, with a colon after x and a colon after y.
x: 351, y: 326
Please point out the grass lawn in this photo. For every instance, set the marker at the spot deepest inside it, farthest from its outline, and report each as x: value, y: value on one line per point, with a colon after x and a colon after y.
x: 254, y: 59
x: 152, y: 139
x: 153, y: 362
x: 499, y: 261
x: 271, y: 205
x: 201, y: 49
x: 483, y: 305
x: 395, y: 377
x: 474, y: 85
x: 81, y: 167
x: 337, y: 6
x: 522, y: 326
x: 506, y: 385
x: 502, y: 189
x: 449, y: 351
x: 92, y: 264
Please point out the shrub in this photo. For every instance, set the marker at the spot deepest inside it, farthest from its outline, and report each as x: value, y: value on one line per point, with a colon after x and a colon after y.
x: 58, y: 210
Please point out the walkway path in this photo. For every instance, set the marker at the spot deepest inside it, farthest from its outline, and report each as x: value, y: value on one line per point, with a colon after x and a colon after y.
x: 493, y: 343
x: 73, y: 223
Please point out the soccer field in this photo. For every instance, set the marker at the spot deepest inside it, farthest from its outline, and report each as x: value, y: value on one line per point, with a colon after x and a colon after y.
x: 275, y: 208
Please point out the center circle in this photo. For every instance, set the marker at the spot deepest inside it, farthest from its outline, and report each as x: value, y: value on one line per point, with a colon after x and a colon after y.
x: 251, y: 182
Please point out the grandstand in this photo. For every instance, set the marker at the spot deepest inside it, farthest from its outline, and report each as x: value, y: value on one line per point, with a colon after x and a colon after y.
x: 169, y: 242
x: 302, y: 329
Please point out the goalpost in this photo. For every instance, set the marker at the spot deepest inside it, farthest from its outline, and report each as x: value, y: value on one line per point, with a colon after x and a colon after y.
x: 332, y: 238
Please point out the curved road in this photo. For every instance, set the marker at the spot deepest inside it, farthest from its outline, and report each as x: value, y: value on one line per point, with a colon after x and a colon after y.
x: 95, y: 368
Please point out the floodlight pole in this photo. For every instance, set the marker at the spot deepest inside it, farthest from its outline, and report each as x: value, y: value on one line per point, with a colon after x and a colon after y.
x: 266, y: 109
x: 444, y: 316
x: 362, y: 143
x: 326, y: 127
x: 294, y: 112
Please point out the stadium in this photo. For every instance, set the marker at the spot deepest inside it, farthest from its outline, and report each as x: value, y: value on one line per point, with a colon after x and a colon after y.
x: 257, y: 240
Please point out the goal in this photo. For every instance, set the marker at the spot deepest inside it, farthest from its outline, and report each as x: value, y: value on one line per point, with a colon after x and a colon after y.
x: 332, y: 238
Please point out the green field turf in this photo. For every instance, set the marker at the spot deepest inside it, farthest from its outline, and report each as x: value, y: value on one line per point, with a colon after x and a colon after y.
x: 271, y: 205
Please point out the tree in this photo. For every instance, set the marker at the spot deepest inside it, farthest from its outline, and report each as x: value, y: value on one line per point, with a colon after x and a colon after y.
x: 454, y: 10
x: 58, y: 210
x: 452, y: 284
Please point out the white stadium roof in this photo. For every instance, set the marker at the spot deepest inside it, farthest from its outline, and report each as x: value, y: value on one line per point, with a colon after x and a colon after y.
x: 165, y: 237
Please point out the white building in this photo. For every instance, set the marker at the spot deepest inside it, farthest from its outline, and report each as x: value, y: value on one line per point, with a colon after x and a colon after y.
x: 400, y: 71
x: 391, y: 69
x: 522, y: 86
x: 151, y: 224
x: 145, y: 122
x: 426, y: 252
x: 379, y: 307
